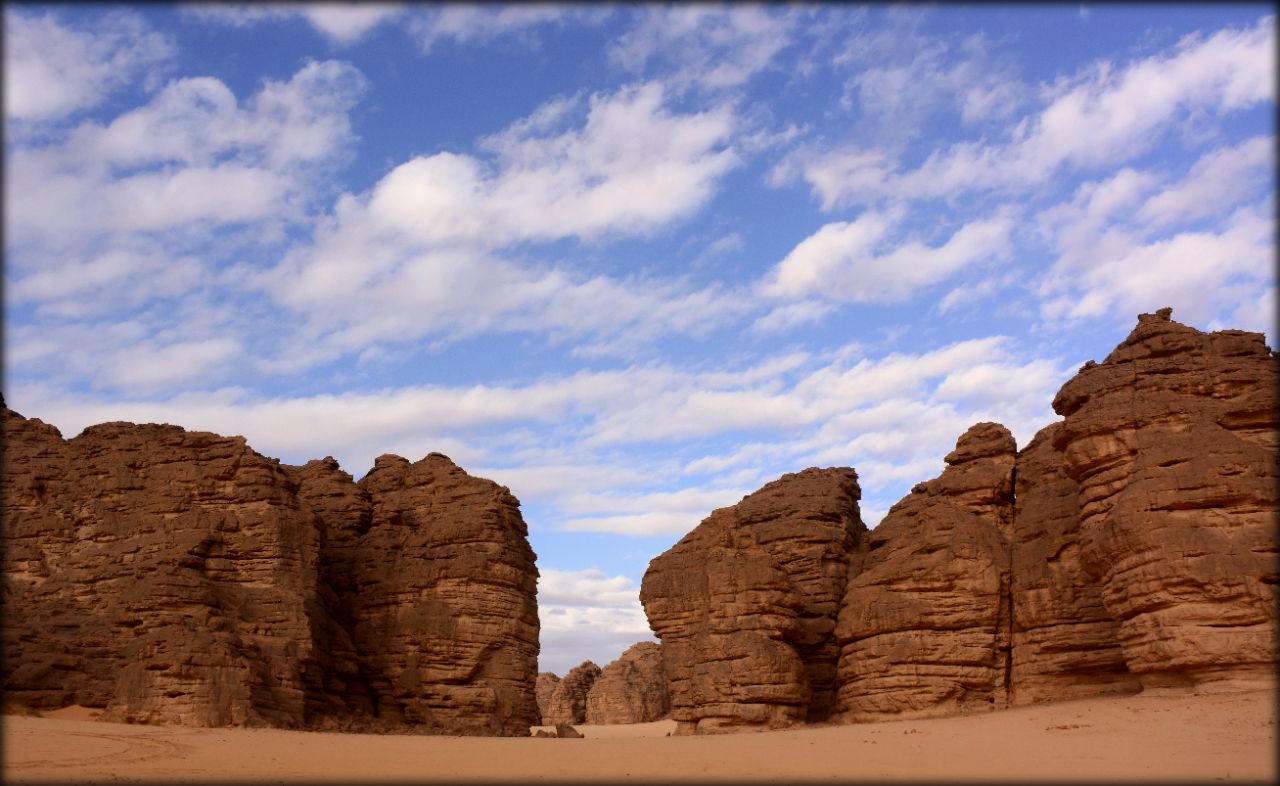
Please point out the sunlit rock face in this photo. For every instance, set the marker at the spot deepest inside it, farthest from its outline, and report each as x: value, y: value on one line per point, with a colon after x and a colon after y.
x: 1172, y: 440
x: 925, y: 626
x: 567, y: 703
x: 180, y: 577
x: 745, y: 605
x: 631, y: 689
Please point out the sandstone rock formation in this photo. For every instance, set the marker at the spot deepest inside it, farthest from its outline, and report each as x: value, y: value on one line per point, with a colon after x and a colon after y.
x: 745, y: 604
x: 1065, y: 642
x: 176, y: 576
x: 925, y: 627
x: 1173, y: 441
x: 543, y: 688
x: 632, y: 689
x: 568, y: 701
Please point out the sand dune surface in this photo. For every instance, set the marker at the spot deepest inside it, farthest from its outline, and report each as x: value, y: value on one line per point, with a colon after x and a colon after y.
x: 1171, y: 737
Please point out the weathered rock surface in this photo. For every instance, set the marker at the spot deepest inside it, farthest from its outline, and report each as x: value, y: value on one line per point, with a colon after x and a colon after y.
x: 745, y: 604
x: 568, y: 701
x: 543, y: 688
x: 632, y: 689
x: 176, y: 576
x: 1065, y: 643
x: 1173, y: 441
x: 925, y: 627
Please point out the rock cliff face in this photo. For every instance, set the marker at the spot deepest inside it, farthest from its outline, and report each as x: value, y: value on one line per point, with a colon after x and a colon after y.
x: 568, y: 701
x: 745, y: 604
x: 543, y: 688
x: 1065, y: 642
x: 1130, y: 546
x: 1173, y: 441
x: 176, y: 576
x: 925, y: 627
x: 632, y: 689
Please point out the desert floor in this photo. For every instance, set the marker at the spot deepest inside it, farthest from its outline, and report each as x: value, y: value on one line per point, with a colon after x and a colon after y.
x: 1200, y: 738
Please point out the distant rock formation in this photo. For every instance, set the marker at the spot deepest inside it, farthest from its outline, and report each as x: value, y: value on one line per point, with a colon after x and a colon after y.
x: 925, y: 627
x: 543, y: 688
x: 1173, y: 440
x: 745, y: 604
x: 1130, y: 546
x: 568, y: 701
x: 167, y: 575
x: 631, y: 689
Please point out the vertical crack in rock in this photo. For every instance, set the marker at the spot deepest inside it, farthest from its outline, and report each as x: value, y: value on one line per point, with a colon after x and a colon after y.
x: 1172, y: 440
x: 921, y: 630
x: 1065, y: 641
x: 745, y: 604
x: 568, y: 700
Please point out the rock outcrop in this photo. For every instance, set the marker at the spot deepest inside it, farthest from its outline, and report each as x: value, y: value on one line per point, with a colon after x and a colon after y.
x: 174, y: 576
x: 542, y: 689
x: 568, y: 701
x: 1065, y: 642
x: 1173, y: 441
x: 631, y: 689
x: 745, y: 604
x: 925, y: 627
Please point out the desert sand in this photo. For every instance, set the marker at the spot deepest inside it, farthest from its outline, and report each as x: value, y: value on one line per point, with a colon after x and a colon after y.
x: 1171, y: 737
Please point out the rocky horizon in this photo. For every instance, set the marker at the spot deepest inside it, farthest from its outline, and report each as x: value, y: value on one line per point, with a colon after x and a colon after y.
x: 172, y: 576
x: 1130, y: 546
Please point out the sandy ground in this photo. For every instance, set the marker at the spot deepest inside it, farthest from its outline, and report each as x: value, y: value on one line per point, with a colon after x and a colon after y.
x: 1200, y: 738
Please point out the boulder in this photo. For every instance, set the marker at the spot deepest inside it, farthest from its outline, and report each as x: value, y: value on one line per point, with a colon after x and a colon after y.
x: 1172, y: 440
x: 745, y: 605
x: 631, y: 689
x: 925, y: 627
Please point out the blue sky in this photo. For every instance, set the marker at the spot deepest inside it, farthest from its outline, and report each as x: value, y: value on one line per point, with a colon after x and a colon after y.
x: 632, y: 262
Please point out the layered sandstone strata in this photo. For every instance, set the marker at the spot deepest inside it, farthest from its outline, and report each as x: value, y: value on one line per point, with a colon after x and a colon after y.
x: 568, y: 701
x: 1173, y: 441
x: 174, y: 576
x: 543, y: 688
x: 745, y: 604
x: 631, y: 689
x: 1065, y: 643
x: 925, y: 627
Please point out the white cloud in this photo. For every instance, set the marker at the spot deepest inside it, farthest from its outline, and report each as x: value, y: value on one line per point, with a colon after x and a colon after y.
x: 848, y: 260
x: 191, y: 154
x: 1221, y: 177
x: 479, y: 23
x: 587, y: 615
x: 1101, y: 117
x: 714, y: 47
x: 427, y: 235
x: 342, y: 23
x: 1124, y: 246
x: 51, y: 70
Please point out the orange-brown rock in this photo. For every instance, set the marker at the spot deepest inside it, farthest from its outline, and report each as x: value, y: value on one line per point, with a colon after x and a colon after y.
x: 1173, y: 441
x: 157, y: 573
x: 542, y: 689
x: 925, y: 625
x: 745, y: 604
x: 445, y: 611
x: 1065, y: 643
x: 631, y: 689
x: 568, y: 700
x: 176, y: 576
